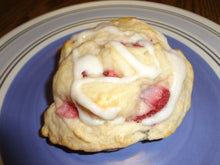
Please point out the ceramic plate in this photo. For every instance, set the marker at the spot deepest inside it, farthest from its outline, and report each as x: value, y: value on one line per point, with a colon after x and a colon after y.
x: 28, y: 60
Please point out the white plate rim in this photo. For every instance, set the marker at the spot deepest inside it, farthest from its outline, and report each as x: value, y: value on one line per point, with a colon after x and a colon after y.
x: 210, y: 26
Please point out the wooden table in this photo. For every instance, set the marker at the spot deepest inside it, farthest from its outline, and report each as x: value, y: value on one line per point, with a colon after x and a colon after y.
x: 16, y: 12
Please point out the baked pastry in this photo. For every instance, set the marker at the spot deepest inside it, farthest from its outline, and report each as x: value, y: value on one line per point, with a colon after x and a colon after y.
x: 116, y: 84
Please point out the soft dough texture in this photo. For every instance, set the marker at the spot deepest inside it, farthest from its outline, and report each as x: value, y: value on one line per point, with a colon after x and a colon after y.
x: 106, y: 85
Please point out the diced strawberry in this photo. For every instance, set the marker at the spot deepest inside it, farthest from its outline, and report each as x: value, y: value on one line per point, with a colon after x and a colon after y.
x: 137, y: 45
x: 132, y: 44
x: 84, y: 74
x: 67, y: 110
x: 110, y: 73
x: 138, y: 119
x: 155, y: 97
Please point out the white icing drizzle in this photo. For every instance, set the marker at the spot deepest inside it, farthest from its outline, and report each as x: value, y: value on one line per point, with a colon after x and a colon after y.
x: 142, y: 70
x: 100, y: 28
x: 76, y: 94
x: 106, y: 27
x: 136, y: 37
x: 92, y: 65
x: 118, y: 120
x: 91, y: 120
x: 179, y: 75
x: 91, y: 62
x: 149, y: 46
x: 88, y: 63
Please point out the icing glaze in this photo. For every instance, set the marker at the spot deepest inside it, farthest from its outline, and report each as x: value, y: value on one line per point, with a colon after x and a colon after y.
x: 179, y: 75
x: 124, y: 36
x: 91, y: 64
x: 88, y: 63
x: 142, y: 70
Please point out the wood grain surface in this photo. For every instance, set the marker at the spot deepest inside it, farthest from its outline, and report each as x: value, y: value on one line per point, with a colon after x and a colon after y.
x: 16, y: 12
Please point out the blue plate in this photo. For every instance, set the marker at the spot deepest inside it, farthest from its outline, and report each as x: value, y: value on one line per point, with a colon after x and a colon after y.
x: 27, y: 92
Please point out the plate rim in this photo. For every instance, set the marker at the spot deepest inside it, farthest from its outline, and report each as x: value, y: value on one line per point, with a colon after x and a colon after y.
x: 18, y: 31
x: 188, y: 14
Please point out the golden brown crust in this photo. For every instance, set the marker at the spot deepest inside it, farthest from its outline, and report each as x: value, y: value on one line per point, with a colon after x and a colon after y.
x: 77, y: 135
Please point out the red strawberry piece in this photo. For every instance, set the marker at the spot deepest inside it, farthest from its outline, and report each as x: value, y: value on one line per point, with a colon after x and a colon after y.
x: 149, y: 114
x: 84, y: 74
x: 138, y: 119
x: 155, y: 97
x: 137, y: 45
x: 110, y: 73
x: 67, y: 110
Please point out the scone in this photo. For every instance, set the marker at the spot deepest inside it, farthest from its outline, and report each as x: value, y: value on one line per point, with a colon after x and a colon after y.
x: 116, y: 84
